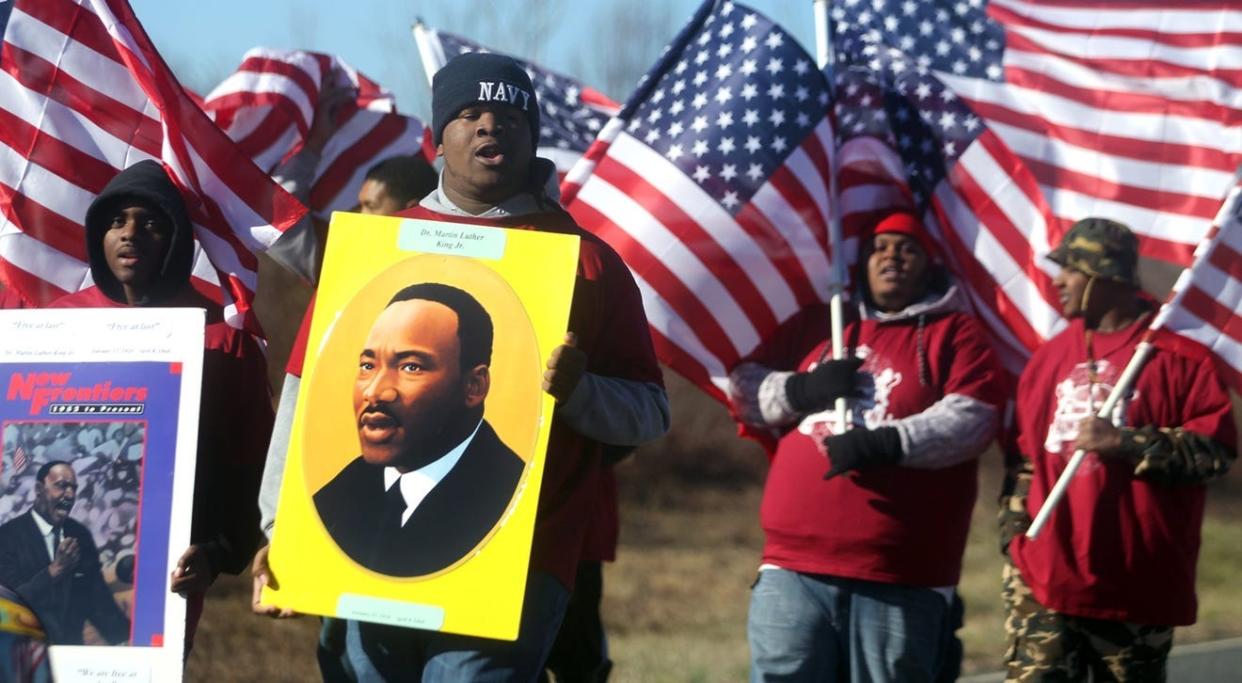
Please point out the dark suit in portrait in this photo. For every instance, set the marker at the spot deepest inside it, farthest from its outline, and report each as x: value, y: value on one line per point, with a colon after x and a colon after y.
x: 66, y: 603
x: 365, y: 521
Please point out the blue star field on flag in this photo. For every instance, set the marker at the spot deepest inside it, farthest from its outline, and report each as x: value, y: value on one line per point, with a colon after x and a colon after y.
x: 731, y: 105
x: 959, y: 39
x: 886, y: 55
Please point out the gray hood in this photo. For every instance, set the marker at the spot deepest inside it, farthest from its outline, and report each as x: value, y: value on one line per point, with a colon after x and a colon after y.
x: 544, y: 194
x: 943, y: 297
x: 947, y: 300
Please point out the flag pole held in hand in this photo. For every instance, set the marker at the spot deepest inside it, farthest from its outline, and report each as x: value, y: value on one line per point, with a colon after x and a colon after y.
x: 1171, y: 317
x: 1124, y: 383
x: 823, y: 56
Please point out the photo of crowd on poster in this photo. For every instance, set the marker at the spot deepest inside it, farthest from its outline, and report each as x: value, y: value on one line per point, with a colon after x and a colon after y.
x: 69, y: 502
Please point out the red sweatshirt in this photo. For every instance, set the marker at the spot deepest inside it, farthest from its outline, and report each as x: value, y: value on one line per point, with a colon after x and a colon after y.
x: 1117, y: 547
x: 890, y: 524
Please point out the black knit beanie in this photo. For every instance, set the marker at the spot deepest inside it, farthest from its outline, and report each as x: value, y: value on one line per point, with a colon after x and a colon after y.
x: 481, y: 77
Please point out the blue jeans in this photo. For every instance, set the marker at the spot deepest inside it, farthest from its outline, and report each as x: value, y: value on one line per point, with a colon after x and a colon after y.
x: 806, y: 627
x: 371, y: 653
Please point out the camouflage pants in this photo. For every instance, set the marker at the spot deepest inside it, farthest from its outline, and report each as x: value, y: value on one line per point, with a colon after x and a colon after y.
x: 1049, y: 646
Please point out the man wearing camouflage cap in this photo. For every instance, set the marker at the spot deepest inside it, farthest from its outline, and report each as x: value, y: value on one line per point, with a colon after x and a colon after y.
x: 1103, y: 586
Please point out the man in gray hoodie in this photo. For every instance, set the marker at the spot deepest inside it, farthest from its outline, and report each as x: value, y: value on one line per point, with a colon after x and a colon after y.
x: 605, y: 377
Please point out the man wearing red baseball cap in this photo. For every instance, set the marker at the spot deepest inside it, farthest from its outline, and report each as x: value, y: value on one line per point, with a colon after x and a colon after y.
x: 866, y: 519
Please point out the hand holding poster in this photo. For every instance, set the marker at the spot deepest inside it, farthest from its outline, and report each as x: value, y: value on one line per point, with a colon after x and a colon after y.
x: 98, y: 424
x: 417, y: 449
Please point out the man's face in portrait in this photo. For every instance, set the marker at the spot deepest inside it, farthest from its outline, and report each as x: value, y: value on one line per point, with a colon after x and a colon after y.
x: 410, y: 390
x: 56, y: 494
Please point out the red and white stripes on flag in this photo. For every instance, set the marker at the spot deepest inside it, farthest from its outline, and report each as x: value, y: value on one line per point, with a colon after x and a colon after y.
x: 1128, y: 110
x: 990, y: 222
x: 1206, y: 302
x: 20, y: 459
x: 268, y: 105
x: 1030, y: 116
x: 712, y: 185
x: 84, y: 94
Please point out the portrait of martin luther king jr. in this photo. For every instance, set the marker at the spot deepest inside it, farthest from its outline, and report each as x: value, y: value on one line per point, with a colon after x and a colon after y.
x: 433, y: 477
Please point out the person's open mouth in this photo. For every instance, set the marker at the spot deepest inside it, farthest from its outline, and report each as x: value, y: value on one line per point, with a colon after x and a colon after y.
x: 891, y: 272
x: 490, y: 154
x: 128, y: 257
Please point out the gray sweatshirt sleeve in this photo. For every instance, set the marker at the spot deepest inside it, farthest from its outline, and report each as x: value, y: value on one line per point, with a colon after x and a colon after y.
x: 277, y: 450
x: 616, y: 411
x: 952, y: 430
x: 758, y: 395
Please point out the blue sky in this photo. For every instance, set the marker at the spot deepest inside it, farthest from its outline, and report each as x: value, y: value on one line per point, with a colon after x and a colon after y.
x: 204, y: 41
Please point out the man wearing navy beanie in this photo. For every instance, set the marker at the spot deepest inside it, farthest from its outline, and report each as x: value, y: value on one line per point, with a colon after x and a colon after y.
x: 605, y: 378
x: 482, y: 168
x: 478, y: 77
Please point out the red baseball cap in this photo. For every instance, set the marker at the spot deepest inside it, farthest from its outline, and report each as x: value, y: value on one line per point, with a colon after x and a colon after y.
x: 905, y: 223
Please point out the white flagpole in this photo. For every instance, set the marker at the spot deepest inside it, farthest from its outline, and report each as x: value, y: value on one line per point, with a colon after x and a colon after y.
x: 823, y: 54
x: 1124, y: 383
x: 431, y: 55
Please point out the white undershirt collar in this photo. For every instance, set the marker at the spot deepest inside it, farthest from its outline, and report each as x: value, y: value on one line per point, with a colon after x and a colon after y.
x: 417, y: 484
x: 45, y: 528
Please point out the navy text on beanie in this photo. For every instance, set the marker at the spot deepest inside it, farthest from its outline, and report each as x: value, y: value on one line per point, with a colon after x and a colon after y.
x: 479, y: 77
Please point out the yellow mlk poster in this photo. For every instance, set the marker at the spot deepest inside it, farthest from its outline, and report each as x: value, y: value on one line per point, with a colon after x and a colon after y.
x: 417, y: 447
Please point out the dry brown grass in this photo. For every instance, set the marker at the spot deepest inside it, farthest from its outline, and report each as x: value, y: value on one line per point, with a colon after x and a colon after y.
x: 235, y: 645
x: 676, y: 600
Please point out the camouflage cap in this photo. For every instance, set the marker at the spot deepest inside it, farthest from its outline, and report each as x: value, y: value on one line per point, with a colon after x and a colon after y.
x: 1101, y: 248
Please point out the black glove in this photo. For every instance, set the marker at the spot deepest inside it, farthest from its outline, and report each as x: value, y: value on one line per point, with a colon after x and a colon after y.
x: 815, y: 390
x: 862, y: 448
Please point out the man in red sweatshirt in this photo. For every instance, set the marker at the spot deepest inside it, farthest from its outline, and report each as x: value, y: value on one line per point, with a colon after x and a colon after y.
x: 140, y: 243
x: 605, y: 377
x: 865, y: 527
x: 1103, y: 586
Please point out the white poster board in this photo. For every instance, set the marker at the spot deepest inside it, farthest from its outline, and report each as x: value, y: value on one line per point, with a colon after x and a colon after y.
x: 113, y: 396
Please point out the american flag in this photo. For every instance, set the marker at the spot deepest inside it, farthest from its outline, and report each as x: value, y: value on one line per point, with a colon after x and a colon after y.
x: 84, y: 94
x: 712, y: 184
x: 1123, y: 110
x: 571, y: 115
x: 267, y: 107
x: 1206, y: 302
x: 19, y: 459
x: 907, y: 140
